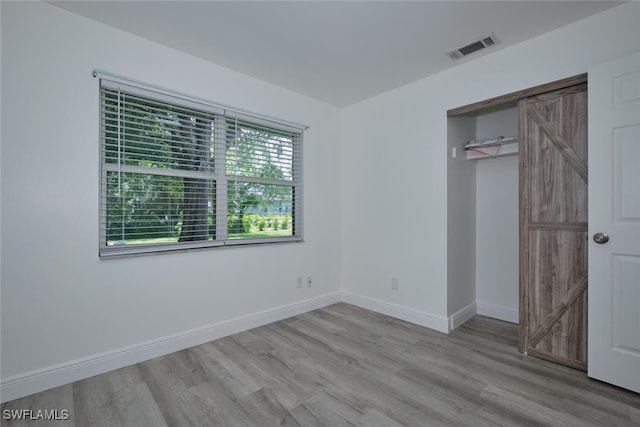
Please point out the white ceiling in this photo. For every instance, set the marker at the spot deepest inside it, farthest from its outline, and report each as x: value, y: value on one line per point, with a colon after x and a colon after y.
x: 340, y: 52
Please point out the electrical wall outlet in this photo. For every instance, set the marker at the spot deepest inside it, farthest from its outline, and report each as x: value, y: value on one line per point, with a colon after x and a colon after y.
x: 299, y: 284
x: 395, y: 284
x: 308, y: 281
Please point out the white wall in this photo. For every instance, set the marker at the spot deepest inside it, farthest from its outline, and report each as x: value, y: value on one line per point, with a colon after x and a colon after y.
x: 60, y: 303
x: 461, y: 224
x: 394, y: 151
x: 497, y: 245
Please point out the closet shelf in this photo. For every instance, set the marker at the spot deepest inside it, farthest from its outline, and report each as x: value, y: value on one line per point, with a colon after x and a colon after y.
x: 494, y: 147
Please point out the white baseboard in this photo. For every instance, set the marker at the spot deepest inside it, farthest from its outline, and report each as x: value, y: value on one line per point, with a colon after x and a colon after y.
x: 459, y: 317
x: 497, y: 312
x: 68, y: 372
x: 65, y: 373
x: 421, y: 318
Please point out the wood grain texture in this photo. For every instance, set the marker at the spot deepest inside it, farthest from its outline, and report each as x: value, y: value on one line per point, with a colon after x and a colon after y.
x: 517, y: 95
x: 553, y: 226
x: 344, y: 366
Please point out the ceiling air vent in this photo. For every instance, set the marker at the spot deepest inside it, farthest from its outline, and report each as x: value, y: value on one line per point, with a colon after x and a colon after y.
x: 473, y: 47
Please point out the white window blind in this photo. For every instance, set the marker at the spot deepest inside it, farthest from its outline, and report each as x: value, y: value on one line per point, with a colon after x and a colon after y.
x: 181, y: 174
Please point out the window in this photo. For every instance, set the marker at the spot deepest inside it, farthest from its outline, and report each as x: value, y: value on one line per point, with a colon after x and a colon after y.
x: 179, y: 174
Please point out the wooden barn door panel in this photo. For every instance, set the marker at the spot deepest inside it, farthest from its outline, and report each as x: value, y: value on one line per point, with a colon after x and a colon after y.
x: 553, y: 226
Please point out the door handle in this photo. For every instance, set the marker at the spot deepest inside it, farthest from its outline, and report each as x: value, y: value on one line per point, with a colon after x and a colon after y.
x: 601, y: 238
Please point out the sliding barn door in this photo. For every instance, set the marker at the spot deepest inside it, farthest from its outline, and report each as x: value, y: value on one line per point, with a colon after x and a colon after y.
x: 553, y: 226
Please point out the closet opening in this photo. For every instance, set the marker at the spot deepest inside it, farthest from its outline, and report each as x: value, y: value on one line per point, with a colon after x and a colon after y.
x: 483, y: 211
x: 517, y: 216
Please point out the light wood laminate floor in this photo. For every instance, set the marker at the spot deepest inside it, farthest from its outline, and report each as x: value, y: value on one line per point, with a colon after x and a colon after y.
x: 342, y: 366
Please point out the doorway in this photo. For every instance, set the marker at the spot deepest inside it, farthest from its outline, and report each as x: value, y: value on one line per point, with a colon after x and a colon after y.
x: 474, y: 245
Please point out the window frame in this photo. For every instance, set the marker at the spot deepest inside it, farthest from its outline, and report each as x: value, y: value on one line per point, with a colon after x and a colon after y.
x: 218, y: 173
